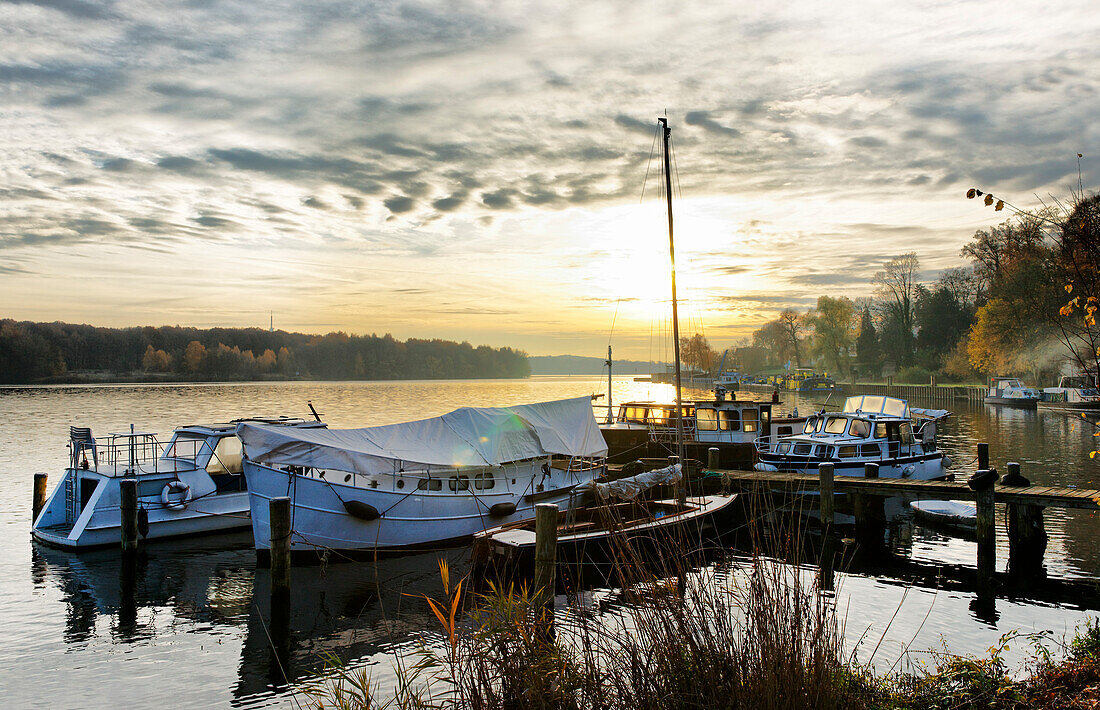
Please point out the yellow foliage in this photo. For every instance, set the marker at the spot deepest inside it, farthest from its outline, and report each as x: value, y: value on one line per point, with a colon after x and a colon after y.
x: 1069, y: 288
x: 988, y: 200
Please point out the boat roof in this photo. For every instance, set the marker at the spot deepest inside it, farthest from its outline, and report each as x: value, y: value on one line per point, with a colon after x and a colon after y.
x: 876, y: 404
x: 230, y: 427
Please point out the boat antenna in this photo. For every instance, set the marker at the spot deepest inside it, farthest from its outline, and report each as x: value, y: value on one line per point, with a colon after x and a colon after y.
x: 314, y: 411
x: 610, y: 413
x: 675, y: 316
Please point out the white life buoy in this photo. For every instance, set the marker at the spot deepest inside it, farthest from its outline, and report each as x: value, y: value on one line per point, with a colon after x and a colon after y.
x: 175, y: 487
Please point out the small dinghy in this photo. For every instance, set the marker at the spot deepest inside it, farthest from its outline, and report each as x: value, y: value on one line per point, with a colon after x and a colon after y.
x: 609, y: 529
x: 955, y: 514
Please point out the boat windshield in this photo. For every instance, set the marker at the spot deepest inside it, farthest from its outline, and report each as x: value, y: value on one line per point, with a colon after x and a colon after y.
x: 185, y: 447
x: 860, y: 428
x: 836, y: 425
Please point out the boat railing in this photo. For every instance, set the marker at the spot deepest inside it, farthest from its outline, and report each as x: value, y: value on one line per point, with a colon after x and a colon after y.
x: 115, y: 454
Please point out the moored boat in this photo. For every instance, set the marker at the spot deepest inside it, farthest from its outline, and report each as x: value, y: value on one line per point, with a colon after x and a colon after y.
x: 870, y: 429
x: 191, y: 485
x: 423, y: 483
x: 955, y: 514
x: 1011, y: 392
x: 1073, y: 394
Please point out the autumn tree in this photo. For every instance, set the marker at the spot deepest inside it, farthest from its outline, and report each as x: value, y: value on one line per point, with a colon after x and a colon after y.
x: 792, y: 324
x: 696, y: 352
x: 194, y: 356
x: 834, y: 331
x: 154, y: 360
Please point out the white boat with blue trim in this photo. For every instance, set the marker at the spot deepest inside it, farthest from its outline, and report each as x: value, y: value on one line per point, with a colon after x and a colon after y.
x: 192, y: 485
x: 869, y: 429
x: 420, y: 484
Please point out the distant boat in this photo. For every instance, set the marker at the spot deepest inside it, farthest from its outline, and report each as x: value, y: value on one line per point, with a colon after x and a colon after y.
x: 1073, y: 394
x: 1011, y: 392
x: 192, y: 485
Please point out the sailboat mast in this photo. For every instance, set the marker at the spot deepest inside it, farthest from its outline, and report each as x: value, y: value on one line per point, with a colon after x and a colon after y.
x: 610, y: 408
x: 675, y: 315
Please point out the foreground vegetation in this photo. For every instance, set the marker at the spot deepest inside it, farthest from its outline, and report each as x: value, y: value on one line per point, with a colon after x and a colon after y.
x: 31, y: 352
x: 766, y: 639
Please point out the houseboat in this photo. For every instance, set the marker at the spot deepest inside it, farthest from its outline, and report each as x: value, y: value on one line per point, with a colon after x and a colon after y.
x: 423, y: 483
x: 1073, y: 394
x: 1011, y: 392
x: 869, y: 429
x: 192, y: 485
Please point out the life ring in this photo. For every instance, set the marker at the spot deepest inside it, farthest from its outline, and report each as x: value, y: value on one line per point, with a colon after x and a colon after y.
x: 175, y: 487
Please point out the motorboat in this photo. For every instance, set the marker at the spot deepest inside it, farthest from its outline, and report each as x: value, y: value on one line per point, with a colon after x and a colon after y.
x: 869, y: 429
x: 806, y: 380
x: 953, y: 514
x: 645, y: 429
x: 1073, y: 394
x: 419, y: 484
x: 193, y: 484
x: 1011, y: 392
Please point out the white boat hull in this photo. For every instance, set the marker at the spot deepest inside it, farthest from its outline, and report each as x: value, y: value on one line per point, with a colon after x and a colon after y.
x: 98, y: 522
x: 410, y: 518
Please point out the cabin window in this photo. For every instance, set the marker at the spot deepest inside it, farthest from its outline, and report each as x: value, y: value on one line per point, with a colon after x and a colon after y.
x: 880, y: 430
x: 731, y: 420
x: 847, y: 452
x: 749, y: 420
x: 227, y: 457
x: 873, y: 404
x: 836, y: 425
x: 459, y: 483
x: 906, y: 433
x: 783, y: 431
x: 803, y: 449
x: 869, y: 450
x: 706, y: 420
x: 658, y: 416
x: 894, y: 407
x: 484, y: 481
x: 430, y: 484
x: 635, y: 414
x: 810, y: 423
x: 860, y: 428
x: 783, y: 448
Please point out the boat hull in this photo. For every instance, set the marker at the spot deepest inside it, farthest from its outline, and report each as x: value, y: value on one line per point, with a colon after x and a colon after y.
x: 1070, y: 406
x: 926, y: 467
x: 98, y: 522
x: 409, y: 519
x: 1018, y: 402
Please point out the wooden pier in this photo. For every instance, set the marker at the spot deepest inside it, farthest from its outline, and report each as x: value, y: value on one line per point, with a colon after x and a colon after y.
x: 1025, y: 503
x: 974, y: 394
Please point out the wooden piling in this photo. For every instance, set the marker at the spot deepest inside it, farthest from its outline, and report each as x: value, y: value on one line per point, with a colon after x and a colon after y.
x: 1027, y: 538
x: 986, y: 532
x: 983, y: 457
x: 279, y: 512
x: 128, y: 506
x: 870, y: 515
x: 546, y: 560
x: 39, y: 500
x: 828, y: 519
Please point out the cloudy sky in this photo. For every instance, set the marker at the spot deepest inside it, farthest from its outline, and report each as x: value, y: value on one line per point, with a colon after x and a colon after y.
x: 475, y: 170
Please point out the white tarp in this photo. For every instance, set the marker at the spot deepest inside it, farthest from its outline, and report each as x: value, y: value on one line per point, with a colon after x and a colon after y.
x: 628, y: 488
x: 465, y: 437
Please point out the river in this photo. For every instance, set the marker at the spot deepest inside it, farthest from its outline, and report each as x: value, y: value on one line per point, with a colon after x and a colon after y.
x: 191, y: 630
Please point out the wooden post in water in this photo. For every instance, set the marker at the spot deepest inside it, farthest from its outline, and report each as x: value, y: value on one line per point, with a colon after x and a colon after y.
x: 128, y: 506
x: 986, y: 530
x: 983, y: 457
x: 713, y: 460
x: 546, y: 560
x: 1027, y: 538
x: 279, y: 517
x: 870, y: 515
x: 39, y: 500
x: 828, y: 518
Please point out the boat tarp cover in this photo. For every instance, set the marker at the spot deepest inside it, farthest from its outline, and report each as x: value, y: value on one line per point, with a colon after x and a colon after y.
x: 470, y: 436
x: 630, y: 487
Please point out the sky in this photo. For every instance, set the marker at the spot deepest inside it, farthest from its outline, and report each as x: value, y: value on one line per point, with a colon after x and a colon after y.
x: 485, y: 171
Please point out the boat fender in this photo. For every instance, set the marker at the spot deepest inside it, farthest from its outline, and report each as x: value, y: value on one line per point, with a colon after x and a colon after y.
x: 982, y: 479
x: 908, y: 471
x: 143, y: 522
x: 946, y: 461
x: 546, y: 469
x: 501, y: 510
x: 175, y: 487
x: 361, y: 510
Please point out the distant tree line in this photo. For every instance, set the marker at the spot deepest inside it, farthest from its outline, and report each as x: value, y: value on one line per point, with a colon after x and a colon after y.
x: 1024, y: 305
x: 34, y: 352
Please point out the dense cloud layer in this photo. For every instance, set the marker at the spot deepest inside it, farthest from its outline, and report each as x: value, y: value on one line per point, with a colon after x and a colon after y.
x: 479, y: 147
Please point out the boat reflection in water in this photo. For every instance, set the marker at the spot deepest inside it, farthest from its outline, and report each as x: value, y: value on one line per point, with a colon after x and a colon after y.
x: 354, y: 611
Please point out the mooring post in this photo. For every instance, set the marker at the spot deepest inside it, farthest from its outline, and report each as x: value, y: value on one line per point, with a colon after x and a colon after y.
x: 713, y: 461
x: 279, y: 516
x: 828, y: 518
x: 546, y: 560
x: 681, y: 485
x: 39, y: 501
x: 983, y: 457
x: 1027, y: 538
x: 128, y: 506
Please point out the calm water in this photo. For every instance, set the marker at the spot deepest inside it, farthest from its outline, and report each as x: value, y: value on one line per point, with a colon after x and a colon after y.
x: 191, y: 630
